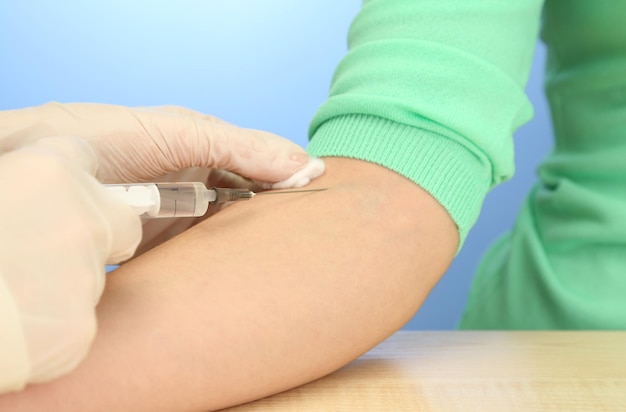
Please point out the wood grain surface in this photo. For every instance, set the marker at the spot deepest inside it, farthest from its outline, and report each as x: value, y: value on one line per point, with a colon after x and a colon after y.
x: 472, y: 371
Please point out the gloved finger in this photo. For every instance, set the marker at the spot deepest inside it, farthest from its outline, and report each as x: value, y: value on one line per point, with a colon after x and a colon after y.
x: 73, y: 157
x: 175, y: 142
x: 254, y: 154
x: 123, y: 222
x: 239, y: 154
x: 301, y: 177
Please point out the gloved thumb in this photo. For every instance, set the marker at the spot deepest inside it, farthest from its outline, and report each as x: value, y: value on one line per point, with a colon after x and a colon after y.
x: 123, y: 226
x: 255, y: 154
x: 169, y: 139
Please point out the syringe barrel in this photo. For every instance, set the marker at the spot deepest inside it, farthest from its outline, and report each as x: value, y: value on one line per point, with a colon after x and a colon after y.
x: 182, y: 199
x: 176, y: 199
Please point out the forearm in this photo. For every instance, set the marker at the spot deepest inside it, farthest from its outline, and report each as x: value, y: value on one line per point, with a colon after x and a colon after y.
x: 265, y: 295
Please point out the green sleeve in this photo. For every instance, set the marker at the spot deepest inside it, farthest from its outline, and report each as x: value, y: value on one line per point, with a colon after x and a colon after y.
x: 563, y: 265
x: 434, y: 91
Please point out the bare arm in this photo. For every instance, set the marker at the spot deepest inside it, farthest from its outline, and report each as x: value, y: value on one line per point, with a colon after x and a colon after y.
x: 264, y: 296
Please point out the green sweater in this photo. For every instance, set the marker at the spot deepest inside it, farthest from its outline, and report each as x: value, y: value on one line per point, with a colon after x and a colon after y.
x: 434, y: 91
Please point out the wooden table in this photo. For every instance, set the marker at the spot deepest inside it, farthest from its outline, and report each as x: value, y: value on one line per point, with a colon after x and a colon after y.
x: 472, y: 371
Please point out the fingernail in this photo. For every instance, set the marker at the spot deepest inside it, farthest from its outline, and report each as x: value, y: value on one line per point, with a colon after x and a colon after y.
x: 301, y: 158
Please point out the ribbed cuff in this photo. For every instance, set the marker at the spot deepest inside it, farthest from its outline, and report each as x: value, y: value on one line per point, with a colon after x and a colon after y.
x: 452, y: 174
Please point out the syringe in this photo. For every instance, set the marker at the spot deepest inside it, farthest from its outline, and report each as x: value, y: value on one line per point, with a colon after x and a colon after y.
x: 180, y: 199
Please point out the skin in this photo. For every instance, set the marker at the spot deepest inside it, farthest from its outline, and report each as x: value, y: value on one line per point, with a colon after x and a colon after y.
x: 264, y: 296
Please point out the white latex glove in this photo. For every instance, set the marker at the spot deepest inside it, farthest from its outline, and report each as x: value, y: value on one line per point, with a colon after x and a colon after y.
x: 162, y: 144
x: 58, y: 229
x: 140, y: 144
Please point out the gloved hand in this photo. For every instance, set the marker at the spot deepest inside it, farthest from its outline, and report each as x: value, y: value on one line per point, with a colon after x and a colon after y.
x: 140, y: 144
x: 58, y: 228
x: 161, y: 144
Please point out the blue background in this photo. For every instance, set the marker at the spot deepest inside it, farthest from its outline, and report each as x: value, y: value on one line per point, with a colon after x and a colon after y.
x: 260, y: 64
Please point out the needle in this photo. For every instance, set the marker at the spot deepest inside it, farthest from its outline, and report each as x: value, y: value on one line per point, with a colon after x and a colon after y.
x: 289, y: 191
